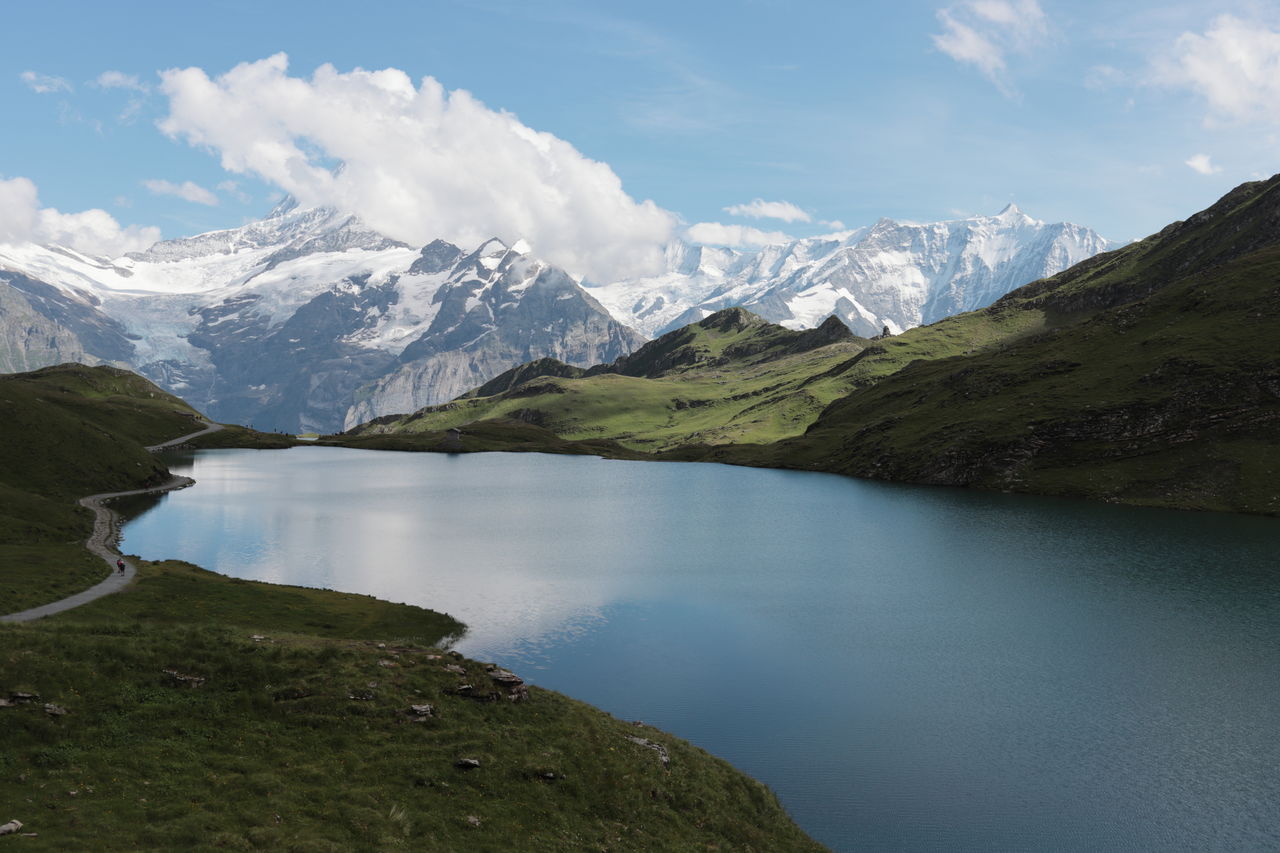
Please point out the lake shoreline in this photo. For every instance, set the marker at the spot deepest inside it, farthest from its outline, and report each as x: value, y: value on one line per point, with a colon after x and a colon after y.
x: 518, y: 437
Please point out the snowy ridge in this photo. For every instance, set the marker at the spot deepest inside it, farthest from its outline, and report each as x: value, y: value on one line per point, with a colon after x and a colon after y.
x: 891, y: 274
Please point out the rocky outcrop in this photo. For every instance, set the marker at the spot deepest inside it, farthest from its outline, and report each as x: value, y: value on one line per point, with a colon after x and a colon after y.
x: 29, y: 340
x: 41, y: 325
x: 498, y: 309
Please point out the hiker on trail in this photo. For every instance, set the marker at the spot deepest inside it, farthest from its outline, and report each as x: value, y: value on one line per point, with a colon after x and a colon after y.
x: 120, y: 566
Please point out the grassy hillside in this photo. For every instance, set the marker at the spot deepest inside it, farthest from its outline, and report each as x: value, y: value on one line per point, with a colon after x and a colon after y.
x: 1149, y: 375
x: 68, y: 431
x: 732, y: 377
x: 305, y: 738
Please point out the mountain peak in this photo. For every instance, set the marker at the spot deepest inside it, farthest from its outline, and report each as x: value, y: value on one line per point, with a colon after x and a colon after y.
x: 436, y: 256
x: 1010, y: 210
x: 285, y: 206
x: 732, y: 319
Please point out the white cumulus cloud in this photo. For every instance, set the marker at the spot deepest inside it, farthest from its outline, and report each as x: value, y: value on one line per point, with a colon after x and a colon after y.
x: 419, y: 162
x: 760, y: 209
x: 1202, y: 164
x: 983, y: 33
x: 93, y: 232
x: 1234, y: 65
x: 187, y: 190
x: 44, y: 83
x: 720, y: 234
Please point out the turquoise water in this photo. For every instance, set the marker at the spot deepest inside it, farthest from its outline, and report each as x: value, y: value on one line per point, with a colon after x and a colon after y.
x: 908, y: 668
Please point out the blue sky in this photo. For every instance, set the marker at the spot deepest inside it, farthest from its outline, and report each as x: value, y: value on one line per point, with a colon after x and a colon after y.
x: 1119, y: 116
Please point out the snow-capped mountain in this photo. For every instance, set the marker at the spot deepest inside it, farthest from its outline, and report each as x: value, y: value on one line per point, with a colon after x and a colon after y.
x: 290, y: 322
x: 310, y: 320
x: 891, y: 274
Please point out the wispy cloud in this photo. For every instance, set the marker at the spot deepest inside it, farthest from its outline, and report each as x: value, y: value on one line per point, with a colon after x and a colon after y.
x: 44, y: 83
x: 1234, y: 66
x: 760, y: 209
x: 1202, y: 164
x: 984, y: 33
x: 120, y: 80
x: 187, y: 190
x: 720, y: 234
x: 232, y: 188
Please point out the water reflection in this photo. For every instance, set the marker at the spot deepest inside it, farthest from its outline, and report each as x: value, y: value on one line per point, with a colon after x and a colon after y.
x: 909, y: 668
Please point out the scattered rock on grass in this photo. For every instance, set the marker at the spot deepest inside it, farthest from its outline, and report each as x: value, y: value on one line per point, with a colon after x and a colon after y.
x: 656, y: 747
x: 507, y: 685
x: 467, y: 763
x: 10, y: 827
x: 55, y: 710
x: 421, y: 713
x: 516, y: 691
x: 181, y: 680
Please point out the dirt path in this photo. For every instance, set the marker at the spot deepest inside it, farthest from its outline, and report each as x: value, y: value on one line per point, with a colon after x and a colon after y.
x: 208, y: 428
x: 105, y: 538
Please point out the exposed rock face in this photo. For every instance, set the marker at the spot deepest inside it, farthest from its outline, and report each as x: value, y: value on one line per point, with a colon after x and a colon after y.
x: 302, y: 373
x: 40, y: 325
x: 497, y: 309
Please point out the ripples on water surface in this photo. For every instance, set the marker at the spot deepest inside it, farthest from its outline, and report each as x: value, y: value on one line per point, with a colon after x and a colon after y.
x: 909, y: 668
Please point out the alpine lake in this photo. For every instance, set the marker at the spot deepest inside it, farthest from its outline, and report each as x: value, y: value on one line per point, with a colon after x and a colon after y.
x: 909, y: 668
